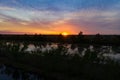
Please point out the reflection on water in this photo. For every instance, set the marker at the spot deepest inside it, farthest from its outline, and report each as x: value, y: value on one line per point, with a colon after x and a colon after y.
x: 107, y: 51
x: 11, y: 73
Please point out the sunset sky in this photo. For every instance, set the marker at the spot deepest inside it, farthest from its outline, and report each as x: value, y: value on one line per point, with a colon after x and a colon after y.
x: 56, y: 16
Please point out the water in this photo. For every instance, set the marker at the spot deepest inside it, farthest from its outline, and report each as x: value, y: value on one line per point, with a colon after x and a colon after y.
x: 11, y: 73
x: 69, y: 49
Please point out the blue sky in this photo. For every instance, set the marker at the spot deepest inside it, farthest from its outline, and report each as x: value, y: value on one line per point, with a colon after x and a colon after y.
x: 56, y: 16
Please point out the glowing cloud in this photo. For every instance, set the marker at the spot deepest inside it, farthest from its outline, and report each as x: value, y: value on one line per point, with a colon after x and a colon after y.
x: 54, y: 17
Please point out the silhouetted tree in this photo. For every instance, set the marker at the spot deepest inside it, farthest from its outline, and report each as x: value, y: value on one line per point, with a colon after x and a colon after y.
x: 80, y: 37
x: 80, y: 33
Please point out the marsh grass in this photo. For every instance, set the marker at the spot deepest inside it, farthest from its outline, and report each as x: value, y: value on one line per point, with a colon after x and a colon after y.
x: 60, y: 66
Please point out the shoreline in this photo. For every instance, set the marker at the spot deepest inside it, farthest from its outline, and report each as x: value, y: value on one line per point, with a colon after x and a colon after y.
x: 46, y: 74
x: 26, y: 68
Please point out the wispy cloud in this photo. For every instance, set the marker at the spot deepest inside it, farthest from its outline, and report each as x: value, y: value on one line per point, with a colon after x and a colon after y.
x: 58, y: 15
x: 97, y: 21
x: 6, y: 8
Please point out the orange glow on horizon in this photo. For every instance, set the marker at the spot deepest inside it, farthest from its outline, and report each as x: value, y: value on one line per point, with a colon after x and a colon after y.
x: 65, y: 33
x: 61, y: 28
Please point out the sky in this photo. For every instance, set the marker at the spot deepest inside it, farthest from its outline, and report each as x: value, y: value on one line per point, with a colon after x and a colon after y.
x: 57, y: 16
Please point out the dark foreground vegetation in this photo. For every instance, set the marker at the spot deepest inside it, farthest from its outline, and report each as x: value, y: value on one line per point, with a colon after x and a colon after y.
x: 56, y: 65
x: 60, y: 67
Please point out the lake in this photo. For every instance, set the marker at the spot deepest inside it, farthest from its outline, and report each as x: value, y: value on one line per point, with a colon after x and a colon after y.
x: 12, y: 73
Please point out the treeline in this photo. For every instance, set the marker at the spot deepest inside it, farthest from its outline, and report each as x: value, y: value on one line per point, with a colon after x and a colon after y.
x: 87, y: 39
